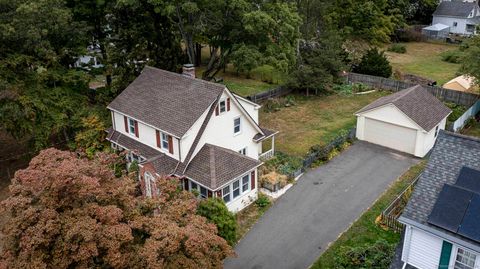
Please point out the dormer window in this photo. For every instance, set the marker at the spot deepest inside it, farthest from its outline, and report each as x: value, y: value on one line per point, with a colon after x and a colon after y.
x: 131, y: 126
x: 165, y: 141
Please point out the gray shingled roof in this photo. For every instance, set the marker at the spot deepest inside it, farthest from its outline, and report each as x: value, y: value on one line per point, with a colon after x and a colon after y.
x: 454, y: 9
x: 214, y: 166
x: 168, y: 101
x: 450, y: 154
x: 267, y: 134
x: 417, y: 103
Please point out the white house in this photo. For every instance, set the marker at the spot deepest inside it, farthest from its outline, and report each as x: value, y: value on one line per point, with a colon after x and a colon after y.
x: 442, y: 218
x: 407, y: 121
x: 461, y: 16
x: 198, y: 131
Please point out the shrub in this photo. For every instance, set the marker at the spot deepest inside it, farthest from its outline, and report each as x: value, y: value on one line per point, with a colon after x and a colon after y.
x: 345, y: 89
x: 378, y: 255
x: 275, y: 104
x: 457, y: 111
x: 283, y: 163
x: 452, y: 56
x: 398, y: 48
x: 262, y: 201
x: 374, y: 63
x: 215, y: 210
x: 268, y: 74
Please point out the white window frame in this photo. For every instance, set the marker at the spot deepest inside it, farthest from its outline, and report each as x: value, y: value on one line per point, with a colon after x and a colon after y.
x: 164, y: 141
x: 224, y: 102
x: 228, y: 194
x: 463, y: 265
x: 243, y: 151
x: 237, y: 188
x: 455, y: 24
x: 131, y: 126
x: 247, y: 176
x: 149, y: 179
x: 199, y: 188
x: 239, y: 118
x: 232, y: 189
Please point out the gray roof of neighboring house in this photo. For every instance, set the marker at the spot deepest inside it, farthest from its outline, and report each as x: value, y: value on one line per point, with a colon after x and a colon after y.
x: 450, y: 154
x: 168, y: 101
x: 214, y: 166
x: 454, y: 9
x: 417, y: 103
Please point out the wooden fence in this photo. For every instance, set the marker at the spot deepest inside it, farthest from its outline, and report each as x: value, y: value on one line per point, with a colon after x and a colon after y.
x: 277, y: 92
x: 389, y: 216
x: 458, y: 97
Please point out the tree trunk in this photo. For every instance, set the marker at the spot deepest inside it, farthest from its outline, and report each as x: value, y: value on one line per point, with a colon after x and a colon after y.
x: 198, y: 54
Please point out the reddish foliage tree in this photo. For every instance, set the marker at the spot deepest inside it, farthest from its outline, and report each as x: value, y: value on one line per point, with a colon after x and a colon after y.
x: 65, y: 211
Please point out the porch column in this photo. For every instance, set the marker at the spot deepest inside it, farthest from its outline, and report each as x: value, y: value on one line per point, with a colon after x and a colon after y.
x: 273, y: 144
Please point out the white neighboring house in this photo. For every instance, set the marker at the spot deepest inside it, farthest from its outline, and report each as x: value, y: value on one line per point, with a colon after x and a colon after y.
x: 461, y: 16
x: 407, y: 121
x: 442, y: 218
x: 91, y: 59
x: 198, y: 131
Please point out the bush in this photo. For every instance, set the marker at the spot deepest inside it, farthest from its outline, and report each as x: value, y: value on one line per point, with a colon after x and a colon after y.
x: 457, y: 111
x: 262, y: 201
x: 283, y: 163
x: 275, y: 104
x: 268, y: 74
x: 378, y: 255
x: 398, y: 48
x: 215, y: 210
x: 374, y: 63
x: 452, y: 56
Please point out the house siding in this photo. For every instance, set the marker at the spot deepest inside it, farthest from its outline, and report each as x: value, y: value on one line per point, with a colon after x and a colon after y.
x: 146, y: 135
x: 245, y: 199
x: 461, y: 27
x: 421, y: 249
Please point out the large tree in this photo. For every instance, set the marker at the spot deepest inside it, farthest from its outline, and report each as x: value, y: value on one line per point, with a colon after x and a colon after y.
x: 471, y: 59
x: 71, y: 212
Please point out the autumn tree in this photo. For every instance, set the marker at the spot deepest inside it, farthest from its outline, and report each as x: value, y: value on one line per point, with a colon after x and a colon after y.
x: 71, y: 212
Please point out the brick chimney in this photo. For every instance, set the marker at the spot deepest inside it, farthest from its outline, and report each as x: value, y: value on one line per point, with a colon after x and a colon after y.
x: 188, y: 70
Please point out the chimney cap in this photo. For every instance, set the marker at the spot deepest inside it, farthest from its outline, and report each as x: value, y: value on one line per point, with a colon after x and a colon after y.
x: 188, y: 65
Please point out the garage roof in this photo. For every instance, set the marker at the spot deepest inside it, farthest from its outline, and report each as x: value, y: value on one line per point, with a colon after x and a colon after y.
x: 417, y: 103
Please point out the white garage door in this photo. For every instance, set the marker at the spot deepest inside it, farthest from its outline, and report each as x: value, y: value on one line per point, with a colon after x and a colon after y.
x: 390, y: 135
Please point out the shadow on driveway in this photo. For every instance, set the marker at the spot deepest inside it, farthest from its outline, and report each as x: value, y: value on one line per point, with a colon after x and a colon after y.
x: 323, y: 203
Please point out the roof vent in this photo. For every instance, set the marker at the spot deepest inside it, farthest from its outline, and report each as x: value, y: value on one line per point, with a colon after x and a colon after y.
x: 188, y: 70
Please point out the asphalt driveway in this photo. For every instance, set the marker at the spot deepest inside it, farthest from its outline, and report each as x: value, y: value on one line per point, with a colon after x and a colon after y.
x: 323, y: 203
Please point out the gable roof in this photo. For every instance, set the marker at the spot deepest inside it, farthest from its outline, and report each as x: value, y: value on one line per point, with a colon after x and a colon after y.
x: 465, y: 81
x: 451, y: 153
x: 455, y: 8
x: 168, y: 101
x: 417, y: 103
x: 215, y: 166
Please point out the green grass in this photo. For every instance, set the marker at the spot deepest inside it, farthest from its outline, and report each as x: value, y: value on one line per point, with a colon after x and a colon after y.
x: 314, y: 120
x: 424, y: 59
x: 472, y: 130
x: 364, y: 230
x: 248, y: 217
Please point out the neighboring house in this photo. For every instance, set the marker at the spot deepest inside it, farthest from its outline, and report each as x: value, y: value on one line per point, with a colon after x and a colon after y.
x: 198, y: 131
x: 436, y: 31
x: 461, y: 16
x: 461, y: 83
x: 442, y: 218
x: 91, y: 59
x: 407, y: 121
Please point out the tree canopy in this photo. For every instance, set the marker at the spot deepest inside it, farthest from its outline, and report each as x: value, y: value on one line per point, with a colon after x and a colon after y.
x: 65, y: 211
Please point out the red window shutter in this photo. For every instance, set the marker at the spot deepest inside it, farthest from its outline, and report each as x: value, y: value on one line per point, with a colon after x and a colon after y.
x: 210, y: 193
x: 170, y: 144
x: 125, y: 120
x: 228, y: 104
x: 185, y: 184
x: 252, y: 176
x: 219, y: 194
x: 157, y: 134
x: 136, y: 128
x: 217, y: 111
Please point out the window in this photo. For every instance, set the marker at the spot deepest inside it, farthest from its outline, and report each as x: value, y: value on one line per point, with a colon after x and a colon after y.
x: 131, y: 126
x: 436, y: 131
x: 236, y: 125
x: 203, y: 192
x: 164, y: 141
x: 245, y: 182
x: 236, y: 189
x: 193, y: 185
x: 226, y: 194
x: 222, y: 106
x: 149, y: 181
x: 465, y: 259
x: 243, y: 151
x: 455, y: 24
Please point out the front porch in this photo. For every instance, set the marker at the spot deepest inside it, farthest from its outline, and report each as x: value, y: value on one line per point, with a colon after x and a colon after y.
x: 266, y: 152
x: 264, y: 156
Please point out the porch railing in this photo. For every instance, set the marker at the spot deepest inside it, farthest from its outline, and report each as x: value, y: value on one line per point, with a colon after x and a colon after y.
x: 266, y: 155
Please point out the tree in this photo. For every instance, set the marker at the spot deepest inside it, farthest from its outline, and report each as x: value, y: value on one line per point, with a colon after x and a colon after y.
x: 374, y: 63
x: 91, y: 139
x: 67, y: 212
x: 471, y: 59
x: 215, y: 210
x: 246, y: 58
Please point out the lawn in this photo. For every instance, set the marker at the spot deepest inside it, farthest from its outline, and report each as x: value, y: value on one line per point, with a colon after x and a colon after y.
x: 364, y: 231
x: 423, y: 59
x: 314, y: 120
x: 249, y: 216
x: 239, y: 83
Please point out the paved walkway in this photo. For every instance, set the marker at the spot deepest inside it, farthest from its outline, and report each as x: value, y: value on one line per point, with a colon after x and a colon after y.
x: 323, y: 203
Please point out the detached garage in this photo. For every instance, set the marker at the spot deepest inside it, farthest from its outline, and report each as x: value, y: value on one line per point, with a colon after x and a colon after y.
x: 407, y: 121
